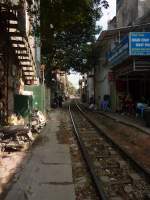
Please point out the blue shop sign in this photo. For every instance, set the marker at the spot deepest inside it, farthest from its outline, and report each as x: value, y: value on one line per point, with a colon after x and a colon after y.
x: 120, y: 52
x: 139, y: 44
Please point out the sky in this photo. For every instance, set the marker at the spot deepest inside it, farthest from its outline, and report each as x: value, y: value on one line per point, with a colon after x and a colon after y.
x: 108, y: 14
x: 74, y: 79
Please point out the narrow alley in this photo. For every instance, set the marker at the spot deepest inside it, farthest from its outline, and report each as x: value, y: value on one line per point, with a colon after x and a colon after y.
x: 74, y: 100
x: 53, y: 168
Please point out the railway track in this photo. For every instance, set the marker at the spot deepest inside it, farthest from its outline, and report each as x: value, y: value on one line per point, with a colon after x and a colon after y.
x: 114, y: 175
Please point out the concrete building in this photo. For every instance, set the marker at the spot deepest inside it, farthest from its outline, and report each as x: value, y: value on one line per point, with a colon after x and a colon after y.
x: 59, y: 84
x: 84, y: 88
x: 90, y: 84
x: 128, y: 12
x: 17, y: 57
x: 103, y: 76
x: 123, y: 64
x: 132, y: 69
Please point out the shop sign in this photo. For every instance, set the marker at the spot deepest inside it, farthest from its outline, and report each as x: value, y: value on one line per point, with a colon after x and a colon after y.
x: 120, y: 52
x: 139, y: 44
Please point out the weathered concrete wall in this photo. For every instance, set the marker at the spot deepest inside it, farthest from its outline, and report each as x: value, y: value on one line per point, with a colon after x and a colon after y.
x: 8, y: 65
x: 113, y: 95
x: 47, y: 98
x: 129, y: 11
x: 11, y: 78
x: 102, y: 84
x: 97, y: 86
x: 90, y: 84
x: 143, y: 7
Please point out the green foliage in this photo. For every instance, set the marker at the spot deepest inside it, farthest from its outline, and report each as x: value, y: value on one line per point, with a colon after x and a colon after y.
x: 68, y: 30
x: 34, y: 12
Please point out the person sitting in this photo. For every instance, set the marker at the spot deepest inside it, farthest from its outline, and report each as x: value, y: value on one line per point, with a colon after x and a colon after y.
x: 140, y: 106
x: 91, y: 106
x: 105, y: 103
x: 122, y: 108
x: 129, y: 104
x: 92, y: 103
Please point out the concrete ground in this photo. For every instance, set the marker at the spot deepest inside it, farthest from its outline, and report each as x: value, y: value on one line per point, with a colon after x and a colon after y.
x: 47, y: 175
x: 129, y: 121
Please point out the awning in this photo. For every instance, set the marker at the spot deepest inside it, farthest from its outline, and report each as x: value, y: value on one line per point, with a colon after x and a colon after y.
x: 133, y: 66
x: 112, y: 33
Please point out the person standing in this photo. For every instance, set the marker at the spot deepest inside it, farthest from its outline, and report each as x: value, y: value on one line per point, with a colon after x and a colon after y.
x: 60, y: 100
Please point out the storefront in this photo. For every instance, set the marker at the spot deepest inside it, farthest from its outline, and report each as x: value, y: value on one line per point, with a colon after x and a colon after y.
x: 130, y: 61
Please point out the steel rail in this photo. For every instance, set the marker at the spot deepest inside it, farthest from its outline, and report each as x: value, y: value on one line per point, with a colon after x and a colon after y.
x: 97, y: 182
x: 137, y: 164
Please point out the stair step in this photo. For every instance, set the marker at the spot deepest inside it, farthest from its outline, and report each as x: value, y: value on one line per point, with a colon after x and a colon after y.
x: 28, y: 70
x: 26, y: 65
x: 23, y: 54
x: 13, y: 25
x: 24, y: 60
x: 29, y: 77
x: 15, y: 34
x: 29, y: 73
x: 5, y: 6
x: 9, y: 16
x: 17, y: 42
x: 20, y: 48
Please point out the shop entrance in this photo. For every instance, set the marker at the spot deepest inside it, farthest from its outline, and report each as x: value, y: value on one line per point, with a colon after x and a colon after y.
x: 140, y: 88
x: 136, y: 85
x: 137, y: 88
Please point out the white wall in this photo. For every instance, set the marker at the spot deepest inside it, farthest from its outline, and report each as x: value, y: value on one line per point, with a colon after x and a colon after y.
x: 104, y: 83
x: 90, y: 83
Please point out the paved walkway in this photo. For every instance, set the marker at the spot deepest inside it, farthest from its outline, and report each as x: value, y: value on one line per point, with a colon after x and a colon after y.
x: 48, y: 173
x: 128, y: 120
x: 125, y: 119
